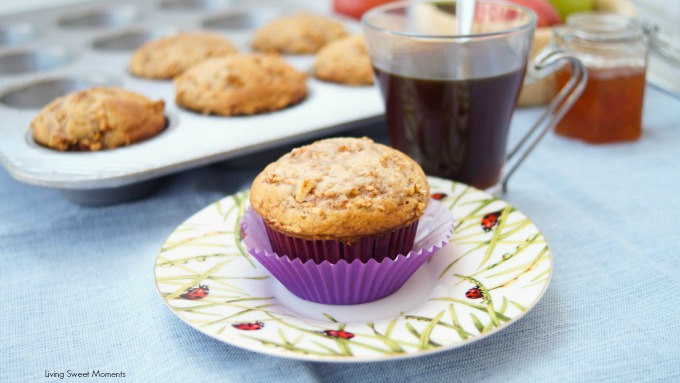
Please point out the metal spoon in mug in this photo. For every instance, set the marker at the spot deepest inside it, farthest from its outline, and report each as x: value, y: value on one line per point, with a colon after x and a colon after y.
x: 465, y: 12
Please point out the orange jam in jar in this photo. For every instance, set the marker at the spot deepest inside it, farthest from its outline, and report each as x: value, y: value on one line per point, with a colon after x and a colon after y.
x: 613, y: 49
x: 609, y: 109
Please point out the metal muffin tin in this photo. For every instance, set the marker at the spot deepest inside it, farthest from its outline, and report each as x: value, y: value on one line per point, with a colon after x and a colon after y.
x: 47, y: 54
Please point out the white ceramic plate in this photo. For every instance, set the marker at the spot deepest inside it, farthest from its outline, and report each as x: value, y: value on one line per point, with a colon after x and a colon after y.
x: 495, y: 269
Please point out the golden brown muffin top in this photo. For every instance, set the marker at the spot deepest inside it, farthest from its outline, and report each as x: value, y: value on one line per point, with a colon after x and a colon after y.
x: 167, y: 57
x: 240, y: 84
x: 345, y: 61
x: 98, y: 118
x: 299, y: 33
x: 340, y: 189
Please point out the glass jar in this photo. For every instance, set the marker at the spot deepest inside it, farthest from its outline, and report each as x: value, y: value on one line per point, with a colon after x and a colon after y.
x: 613, y: 49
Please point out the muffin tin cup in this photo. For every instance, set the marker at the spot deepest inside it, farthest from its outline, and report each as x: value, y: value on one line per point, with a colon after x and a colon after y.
x: 23, y: 61
x: 348, y: 283
x: 388, y: 245
x: 16, y: 33
x: 193, y: 5
x: 111, y: 17
x: 131, y: 39
x: 236, y: 20
x: 40, y: 92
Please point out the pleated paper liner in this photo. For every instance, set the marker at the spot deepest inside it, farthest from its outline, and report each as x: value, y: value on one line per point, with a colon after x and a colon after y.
x: 343, y: 282
x: 388, y: 245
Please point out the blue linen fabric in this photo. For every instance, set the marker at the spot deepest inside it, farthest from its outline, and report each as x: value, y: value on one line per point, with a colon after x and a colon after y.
x: 78, y: 291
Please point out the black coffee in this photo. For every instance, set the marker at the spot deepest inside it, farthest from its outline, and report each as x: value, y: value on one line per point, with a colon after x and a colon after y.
x: 454, y: 129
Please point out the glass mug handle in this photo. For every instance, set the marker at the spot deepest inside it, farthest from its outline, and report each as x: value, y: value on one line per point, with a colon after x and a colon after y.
x: 546, y: 62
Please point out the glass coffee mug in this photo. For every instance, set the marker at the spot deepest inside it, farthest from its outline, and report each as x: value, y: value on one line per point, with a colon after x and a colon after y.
x: 449, y: 98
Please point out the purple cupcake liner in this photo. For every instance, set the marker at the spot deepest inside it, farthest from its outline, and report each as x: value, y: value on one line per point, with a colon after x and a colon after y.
x: 347, y: 283
x: 388, y: 245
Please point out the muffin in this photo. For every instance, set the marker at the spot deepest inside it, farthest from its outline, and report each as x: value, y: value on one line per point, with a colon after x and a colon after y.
x: 300, y: 33
x: 167, y: 57
x: 98, y: 119
x: 344, y: 61
x: 241, y: 84
x: 334, y: 222
x: 348, y: 194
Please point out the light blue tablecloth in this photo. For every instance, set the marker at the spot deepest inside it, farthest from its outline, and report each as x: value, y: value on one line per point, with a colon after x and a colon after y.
x: 77, y: 288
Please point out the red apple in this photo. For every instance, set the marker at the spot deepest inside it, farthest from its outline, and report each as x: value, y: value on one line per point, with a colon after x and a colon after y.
x: 355, y: 8
x: 546, y: 12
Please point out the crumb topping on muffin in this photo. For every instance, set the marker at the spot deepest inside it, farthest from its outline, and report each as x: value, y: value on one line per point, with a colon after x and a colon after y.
x: 340, y: 189
x: 299, y: 33
x: 97, y: 119
x: 345, y: 61
x: 167, y: 57
x: 240, y: 84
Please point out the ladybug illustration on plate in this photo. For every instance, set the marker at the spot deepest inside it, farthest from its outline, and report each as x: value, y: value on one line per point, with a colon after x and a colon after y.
x: 438, y: 196
x: 248, y: 326
x: 490, y: 220
x: 338, y: 334
x: 474, y: 293
x: 196, y: 293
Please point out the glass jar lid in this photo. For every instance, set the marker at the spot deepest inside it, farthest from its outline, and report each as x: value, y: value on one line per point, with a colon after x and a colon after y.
x: 603, y: 27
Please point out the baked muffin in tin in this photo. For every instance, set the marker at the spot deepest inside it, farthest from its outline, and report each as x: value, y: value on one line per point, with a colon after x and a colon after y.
x: 167, y: 57
x: 241, y: 84
x: 97, y: 119
x: 344, y: 61
x: 299, y: 33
